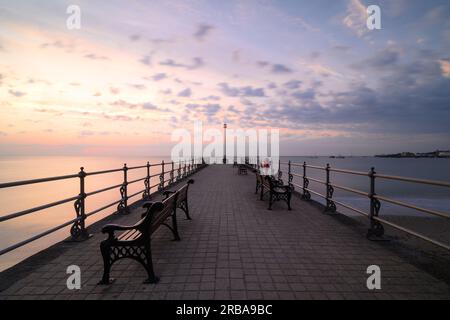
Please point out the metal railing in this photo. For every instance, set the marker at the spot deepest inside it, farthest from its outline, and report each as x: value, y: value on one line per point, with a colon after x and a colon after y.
x: 376, y: 223
x: 177, y: 172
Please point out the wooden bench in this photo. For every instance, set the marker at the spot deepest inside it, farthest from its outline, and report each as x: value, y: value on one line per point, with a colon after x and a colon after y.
x: 182, y: 199
x: 275, y: 188
x: 134, y: 242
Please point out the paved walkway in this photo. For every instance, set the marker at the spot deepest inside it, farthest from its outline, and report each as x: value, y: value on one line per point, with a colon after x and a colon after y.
x: 234, y: 248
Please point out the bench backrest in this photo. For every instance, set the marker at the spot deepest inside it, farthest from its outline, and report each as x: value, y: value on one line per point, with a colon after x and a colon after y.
x: 269, y: 181
x: 183, y: 192
x: 156, y: 214
x: 169, y: 206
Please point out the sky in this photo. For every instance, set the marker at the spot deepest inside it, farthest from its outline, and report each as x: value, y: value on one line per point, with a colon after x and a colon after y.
x: 137, y: 70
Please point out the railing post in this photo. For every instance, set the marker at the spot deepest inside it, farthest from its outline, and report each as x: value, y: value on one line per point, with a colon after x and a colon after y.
x: 280, y: 173
x: 172, y: 180
x: 161, y: 177
x: 179, y: 171
x: 306, y: 194
x: 122, y: 208
x: 290, y: 176
x: 78, y: 230
x: 376, y: 229
x: 331, y: 206
x: 184, y: 170
x: 146, y: 194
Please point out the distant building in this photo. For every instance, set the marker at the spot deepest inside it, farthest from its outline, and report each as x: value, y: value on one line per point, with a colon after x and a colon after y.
x: 426, y: 155
x: 407, y: 155
x: 444, y: 154
x: 434, y: 154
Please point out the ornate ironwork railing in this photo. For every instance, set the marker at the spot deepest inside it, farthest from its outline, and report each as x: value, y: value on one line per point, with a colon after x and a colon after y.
x: 78, y: 228
x: 376, y: 228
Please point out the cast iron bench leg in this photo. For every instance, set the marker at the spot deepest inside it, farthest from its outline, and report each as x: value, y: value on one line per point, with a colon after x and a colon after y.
x: 149, y: 266
x: 105, y: 250
x: 184, y: 206
x: 270, y: 200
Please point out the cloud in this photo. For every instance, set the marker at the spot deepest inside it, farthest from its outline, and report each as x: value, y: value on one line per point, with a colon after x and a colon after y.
x: 119, y: 117
x: 135, y: 37
x: 438, y: 14
x: 202, y: 31
x: 324, y: 71
x: 341, y: 48
x: 262, y: 64
x: 314, y: 55
x: 143, y: 105
x: 232, y: 109
x: 276, y: 68
x: 209, y: 110
x: 93, y: 56
x: 159, y: 76
x: 149, y: 106
x: 197, y: 62
x: 356, y: 17
x: 385, y: 58
x: 292, y: 84
x: 147, y: 59
x: 33, y: 80
x: 51, y: 111
x: 88, y: 133
x: 308, y: 94
x: 138, y: 86
x: 17, y: 94
x: 166, y: 91
x: 123, y: 103
x: 412, y: 98
x: 212, y: 98
x: 186, y: 93
x: 246, y: 91
x: 174, y: 102
x: 114, y: 90
x: 236, y: 56
x: 159, y: 41
x: 280, y: 69
x: 58, y: 44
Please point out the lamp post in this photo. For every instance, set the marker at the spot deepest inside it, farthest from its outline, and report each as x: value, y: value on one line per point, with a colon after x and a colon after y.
x: 224, y: 143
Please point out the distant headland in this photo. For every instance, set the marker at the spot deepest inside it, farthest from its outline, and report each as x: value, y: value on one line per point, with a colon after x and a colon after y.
x: 433, y: 154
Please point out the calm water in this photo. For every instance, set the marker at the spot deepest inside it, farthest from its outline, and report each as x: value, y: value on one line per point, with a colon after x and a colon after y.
x: 437, y: 198
x: 24, y: 197
x: 24, y: 168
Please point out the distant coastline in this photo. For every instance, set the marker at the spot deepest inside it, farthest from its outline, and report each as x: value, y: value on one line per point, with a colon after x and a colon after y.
x: 433, y: 154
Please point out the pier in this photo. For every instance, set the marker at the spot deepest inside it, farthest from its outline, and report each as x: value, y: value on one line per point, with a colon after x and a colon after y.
x: 234, y: 248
